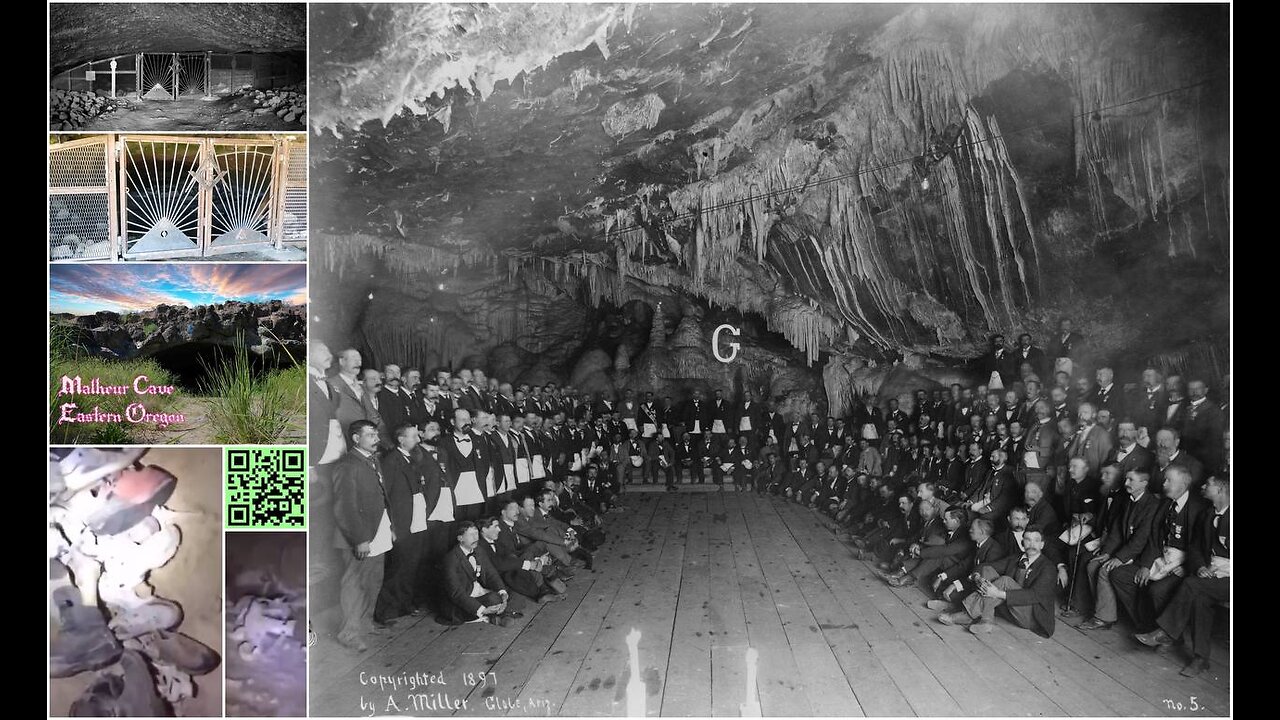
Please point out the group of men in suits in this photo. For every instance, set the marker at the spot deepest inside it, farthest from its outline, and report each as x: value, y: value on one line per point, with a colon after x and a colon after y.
x: 1036, y: 491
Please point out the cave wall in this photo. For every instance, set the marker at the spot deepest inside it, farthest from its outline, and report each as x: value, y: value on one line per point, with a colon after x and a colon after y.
x: 758, y: 158
x: 86, y: 32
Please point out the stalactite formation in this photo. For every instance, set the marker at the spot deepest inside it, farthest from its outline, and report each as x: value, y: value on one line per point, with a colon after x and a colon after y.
x: 906, y: 186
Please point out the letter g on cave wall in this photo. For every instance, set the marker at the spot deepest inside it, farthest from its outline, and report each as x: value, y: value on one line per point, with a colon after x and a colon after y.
x: 733, y: 346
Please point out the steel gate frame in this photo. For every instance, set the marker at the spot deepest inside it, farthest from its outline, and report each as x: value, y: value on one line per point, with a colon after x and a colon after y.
x: 189, y: 63
x: 201, y: 180
x: 269, y: 186
x: 167, y: 79
x: 285, y: 212
x: 107, y: 188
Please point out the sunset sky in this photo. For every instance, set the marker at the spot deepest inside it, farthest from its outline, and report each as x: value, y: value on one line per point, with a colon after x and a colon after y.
x: 86, y: 289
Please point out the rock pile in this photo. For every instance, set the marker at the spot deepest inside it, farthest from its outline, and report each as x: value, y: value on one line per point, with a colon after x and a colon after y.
x: 69, y: 109
x: 269, y: 329
x: 289, y: 103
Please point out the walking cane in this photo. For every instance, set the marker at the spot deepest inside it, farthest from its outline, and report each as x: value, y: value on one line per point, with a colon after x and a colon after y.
x: 1075, y: 564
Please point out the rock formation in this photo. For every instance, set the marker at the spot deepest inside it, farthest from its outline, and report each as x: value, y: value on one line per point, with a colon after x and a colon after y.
x: 871, y: 184
x: 269, y: 330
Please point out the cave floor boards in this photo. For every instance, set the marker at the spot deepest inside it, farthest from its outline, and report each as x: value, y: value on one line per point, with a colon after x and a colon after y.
x: 703, y: 576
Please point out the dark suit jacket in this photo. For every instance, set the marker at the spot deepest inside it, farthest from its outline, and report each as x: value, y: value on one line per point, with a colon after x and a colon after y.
x: 394, y: 409
x: 1188, y: 523
x: 975, y: 477
x: 1035, y: 356
x: 984, y: 554
x: 701, y: 412
x: 1039, y: 590
x: 455, y: 463
x: 1004, y: 491
x: 1139, y: 458
x: 1210, y: 540
x: 757, y: 412
x: 358, y: 499
x: 1094, y: 445
x: 458, y: 577
x: 1131, y: 534
x: 1186, y: 460
x: 502, y: 558
x: 321, y: 409
x: 952, y: 554
x: 1147, y: 410
x: 1113, y: 400
x: 402, y: 478
x: 1202, y: 432
x: 1060, y: 347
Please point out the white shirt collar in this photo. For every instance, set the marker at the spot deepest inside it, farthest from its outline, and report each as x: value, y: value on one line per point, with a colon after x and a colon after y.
x: 1195, y: 403
x: 1182, y: 501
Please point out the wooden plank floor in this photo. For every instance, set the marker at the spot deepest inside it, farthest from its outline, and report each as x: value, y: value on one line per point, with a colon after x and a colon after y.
x: 706, y: 575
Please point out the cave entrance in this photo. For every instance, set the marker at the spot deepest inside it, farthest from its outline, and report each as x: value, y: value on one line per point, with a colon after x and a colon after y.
x: 143, y: 197
x: 168, y: 76
x: 190, y: 363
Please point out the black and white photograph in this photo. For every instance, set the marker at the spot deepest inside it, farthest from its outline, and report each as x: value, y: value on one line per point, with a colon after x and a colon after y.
x: 135, y: 557
x: 177, y: 67
x: 770, y: 359
x: 123, y: 197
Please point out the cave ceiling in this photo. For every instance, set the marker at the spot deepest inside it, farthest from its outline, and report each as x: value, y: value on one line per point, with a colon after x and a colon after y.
x: 718, y: 150
x: 87, y: 32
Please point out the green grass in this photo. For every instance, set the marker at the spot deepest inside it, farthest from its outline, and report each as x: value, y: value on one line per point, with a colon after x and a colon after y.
x: 149, y: 327
x: 108, y: 372
x: 249, y: 409
x: 67, y: 357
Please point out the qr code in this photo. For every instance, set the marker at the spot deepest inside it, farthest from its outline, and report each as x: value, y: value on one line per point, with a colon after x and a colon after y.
x: 266, y: 487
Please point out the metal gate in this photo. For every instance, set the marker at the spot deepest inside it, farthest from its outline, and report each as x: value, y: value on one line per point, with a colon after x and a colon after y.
x: 194, y: 74
x: 152, y: 197
x: 244, y: 194
x: 82, y: 220
x: 161, y: 183
x: 157, y: 76
x: 293, y: 220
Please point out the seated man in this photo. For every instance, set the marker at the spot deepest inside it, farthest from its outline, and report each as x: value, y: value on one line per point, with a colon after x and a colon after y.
x: 928, y: 530
x: 935, y: 559
x: 1145, y: 588
x: 474, y: 590
x: 532, y: 526
x: 1208, y: 583
x: 523, y: 576
x: 511, y: 542
x: 1087, y: 533
x: 897, y: 533
x: 881, y: 513
x: 1124, y: 545
x: 1023, y: 584
x: 956, y: 584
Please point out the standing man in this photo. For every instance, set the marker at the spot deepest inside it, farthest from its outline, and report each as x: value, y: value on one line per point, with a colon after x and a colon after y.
x: 325, y: 445
x: 466, y: 466
x: 359, y: 510
x: 1030, y: 354
x: 347, y: 388
x: 1063, y: 347
x: 406, y: 505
